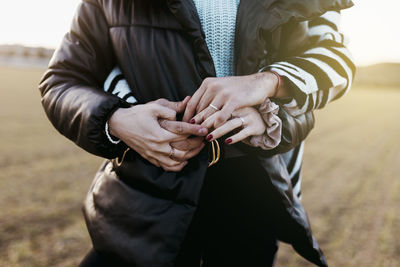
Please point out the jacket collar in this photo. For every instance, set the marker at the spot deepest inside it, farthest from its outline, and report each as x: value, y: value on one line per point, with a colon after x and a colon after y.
x: 186, y: 14
x: 273, y: 12
x: 256, y: 21
x: 278, y: 12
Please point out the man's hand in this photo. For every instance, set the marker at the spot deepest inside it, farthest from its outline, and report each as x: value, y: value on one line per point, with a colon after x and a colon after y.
x: 151, y: 130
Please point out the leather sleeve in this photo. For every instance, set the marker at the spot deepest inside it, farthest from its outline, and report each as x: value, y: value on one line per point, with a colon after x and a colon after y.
x: 71, y: 89
x: 295, y: 129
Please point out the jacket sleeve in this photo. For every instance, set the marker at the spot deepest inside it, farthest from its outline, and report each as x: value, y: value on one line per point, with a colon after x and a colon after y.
x: 71, y: 89
x: 317, y: 69
x: 295, y: 129
x: 322, y: 71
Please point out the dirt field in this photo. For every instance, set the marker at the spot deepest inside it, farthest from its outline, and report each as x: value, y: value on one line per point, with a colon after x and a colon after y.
x: 351, y: 185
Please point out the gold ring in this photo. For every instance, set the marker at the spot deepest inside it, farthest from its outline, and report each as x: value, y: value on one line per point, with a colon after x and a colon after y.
x: 171, y: 153
x: 214, y: 107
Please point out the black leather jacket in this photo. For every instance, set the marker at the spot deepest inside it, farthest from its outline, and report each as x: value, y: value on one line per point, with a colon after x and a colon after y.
x: 161, y: 49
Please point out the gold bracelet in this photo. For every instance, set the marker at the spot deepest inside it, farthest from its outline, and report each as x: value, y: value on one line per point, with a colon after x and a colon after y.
x: 218, y: 151
x: 217, y: 157
x: 213, y: 150
x: 119, y: 162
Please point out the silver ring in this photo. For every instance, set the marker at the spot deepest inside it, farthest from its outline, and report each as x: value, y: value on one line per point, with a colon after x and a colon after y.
x: 171, y: 153
x: 241, y: 120
x: 214, y: 107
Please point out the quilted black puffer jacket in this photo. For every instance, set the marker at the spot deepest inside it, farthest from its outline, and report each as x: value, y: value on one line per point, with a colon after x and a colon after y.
x: 161, y: 49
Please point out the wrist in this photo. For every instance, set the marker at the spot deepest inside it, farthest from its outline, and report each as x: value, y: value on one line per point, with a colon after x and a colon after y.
x: 278, y: 84
x: 114, y: 140
x: 113, y: 122
x: 268, y: 85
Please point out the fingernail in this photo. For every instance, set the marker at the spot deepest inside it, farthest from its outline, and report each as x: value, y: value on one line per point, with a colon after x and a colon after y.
x: 228, y: 141
x: 209, y: 137
x: 192, y: 121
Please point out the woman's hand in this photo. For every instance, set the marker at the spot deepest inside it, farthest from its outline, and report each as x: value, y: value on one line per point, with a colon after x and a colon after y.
x: 222, y: 96
x: 144, y: 129
x: 246, y: 121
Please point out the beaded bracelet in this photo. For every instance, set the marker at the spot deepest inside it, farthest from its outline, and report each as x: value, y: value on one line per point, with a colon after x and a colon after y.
x: 115, y: 142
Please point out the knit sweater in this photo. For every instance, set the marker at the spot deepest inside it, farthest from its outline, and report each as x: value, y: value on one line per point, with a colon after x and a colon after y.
x: 218, y: 20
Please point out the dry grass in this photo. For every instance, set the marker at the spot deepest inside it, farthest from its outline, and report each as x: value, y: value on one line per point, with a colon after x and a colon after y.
x: 43, y: 180
x: 351, y: 182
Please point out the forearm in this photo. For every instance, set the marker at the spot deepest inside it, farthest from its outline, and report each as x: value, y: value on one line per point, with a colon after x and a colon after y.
x: 322, y: 72
x: 79, y: 112
x: 71, y: 91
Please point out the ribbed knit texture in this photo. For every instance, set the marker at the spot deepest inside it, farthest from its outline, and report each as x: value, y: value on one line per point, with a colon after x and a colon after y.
x: 218, y: 19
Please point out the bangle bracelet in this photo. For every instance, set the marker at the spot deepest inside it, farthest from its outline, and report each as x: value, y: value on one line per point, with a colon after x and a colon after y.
x: 115, y: 142
x: 278, y: 87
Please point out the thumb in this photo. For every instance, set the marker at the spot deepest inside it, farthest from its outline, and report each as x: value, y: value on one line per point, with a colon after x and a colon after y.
x: 178, y: 107
x: 165, y: 113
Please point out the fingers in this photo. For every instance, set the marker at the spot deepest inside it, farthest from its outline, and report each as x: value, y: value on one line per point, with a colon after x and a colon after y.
x: 200, y: 117
x: 224, y: 115
x: 182, y: 156
x: 183, y: 128
x: 225, y: 129
x: 188, y: 154
x: 243, y: 134
x: 188, y: 143
x: 218, y: 119
x: 179, y: 159
x: 195, y: 151
x: 166, y: 160
x: 174, y: 156
x: 178, y: 107
x: 153, y: 161
x: 194, y: 100
x: 165, y: 136
x: 169, y: 162
x: 170, y: 155
x: 206, y: 100
x: 165, y: 112
x: 176, y: 168
x: 253, y: 124
x: 207, y: 112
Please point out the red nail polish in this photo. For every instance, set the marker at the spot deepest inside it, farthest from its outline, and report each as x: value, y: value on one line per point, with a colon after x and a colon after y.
x: 209, y: 137
x: 192, y: 121
x: 228, y: 141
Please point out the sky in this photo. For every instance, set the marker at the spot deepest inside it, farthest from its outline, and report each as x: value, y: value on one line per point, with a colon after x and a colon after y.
x: 371, y: 26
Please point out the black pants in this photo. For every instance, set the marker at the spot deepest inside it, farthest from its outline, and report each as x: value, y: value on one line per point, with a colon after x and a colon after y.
x: 231, y: 226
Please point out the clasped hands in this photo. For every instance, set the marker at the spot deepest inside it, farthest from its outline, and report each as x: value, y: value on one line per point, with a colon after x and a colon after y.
x: 220, y: 106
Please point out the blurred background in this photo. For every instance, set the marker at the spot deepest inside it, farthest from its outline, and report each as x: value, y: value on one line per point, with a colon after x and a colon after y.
x: 351, y: 185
